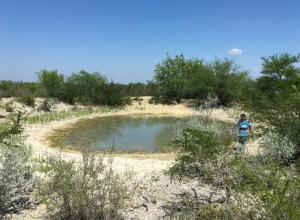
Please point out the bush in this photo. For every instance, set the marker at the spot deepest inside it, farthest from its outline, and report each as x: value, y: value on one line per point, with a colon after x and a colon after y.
x: 282, y: 117
x: 161, y: 100
x: 198, y: 142
x: 272, y: 186
x: 45, y: 106
x: 256, y: 187
x: 27, y: 100
x: 52, y: 82
x: 154, y: 100
x: 83, y: 100
x: 279, y: 148
x: 178, y: 78
x: 196, y: 147
x: 137, y: 99
x: 229, y: 81
x: 8, y: 107
x: 113, y: 96
x: 17, y: 89
x: 127, y: 101
x: 276, y: 100
x: 222, y: 131
x: 88, y: 189
x: 15, y: 168
x: 85, y: 87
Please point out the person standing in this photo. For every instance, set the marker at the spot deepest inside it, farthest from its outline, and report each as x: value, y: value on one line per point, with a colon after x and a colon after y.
x: 244, y: 127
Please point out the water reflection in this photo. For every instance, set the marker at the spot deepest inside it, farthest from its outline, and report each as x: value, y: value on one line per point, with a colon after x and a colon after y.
x: 126, y: 133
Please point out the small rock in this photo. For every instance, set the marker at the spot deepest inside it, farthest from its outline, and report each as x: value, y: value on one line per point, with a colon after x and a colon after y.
x: 146, y: 199
x: 3, y: 114
x: 217, y: 198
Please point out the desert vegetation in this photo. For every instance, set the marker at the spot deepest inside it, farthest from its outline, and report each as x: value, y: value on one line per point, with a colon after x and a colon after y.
x: 81, y: 88
x: 85, y: 189
x: 16, y: 168
x: 256, y: 187
x: 265, y: 186
x: 180, y: 78
x: 175, y: 79
x: 260, y: 186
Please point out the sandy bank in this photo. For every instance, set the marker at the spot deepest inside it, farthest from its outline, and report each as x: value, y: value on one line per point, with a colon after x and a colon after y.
x: 140, y: 163
x: 148, y: 168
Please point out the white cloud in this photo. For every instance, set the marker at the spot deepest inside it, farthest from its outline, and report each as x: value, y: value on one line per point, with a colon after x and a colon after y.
x: 235, y: 51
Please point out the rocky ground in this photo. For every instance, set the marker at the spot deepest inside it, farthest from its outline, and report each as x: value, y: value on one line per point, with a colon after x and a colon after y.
x: 156, y: 196
x: 160, y: 197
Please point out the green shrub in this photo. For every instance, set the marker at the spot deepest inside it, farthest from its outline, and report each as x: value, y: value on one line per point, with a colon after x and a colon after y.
x: 154, y: 100
x: 281, y: 117
x: 52, y: 82
x: 275, y: 187
x: 27, y: 100
x: 179, y: 78
x: 191, y: 208
x: 45, y: 106
x: 11, y: 128
x: 113, y: 96
x: 127, y: 101
x: 196, y: 147
x: 229, y: 81
x: 88, y: 189
x: 84, y: 100
x: 256, y: 187
x: 16, y: 89
x: 15, y: 168
x: 137, y: 99
x: 222, y: 131
x: 161, y: 100
x: 277, y: 147
x: 276, y: 99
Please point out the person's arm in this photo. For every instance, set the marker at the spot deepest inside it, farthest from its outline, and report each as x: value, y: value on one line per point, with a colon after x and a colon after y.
x: 250, y: 127
x: 235, y: 125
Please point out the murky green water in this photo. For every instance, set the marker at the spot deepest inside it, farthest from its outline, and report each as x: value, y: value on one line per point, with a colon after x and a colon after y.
x: 125, y: 133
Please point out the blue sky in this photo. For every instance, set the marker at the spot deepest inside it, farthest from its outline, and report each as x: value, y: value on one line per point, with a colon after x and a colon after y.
x: 124, y: 40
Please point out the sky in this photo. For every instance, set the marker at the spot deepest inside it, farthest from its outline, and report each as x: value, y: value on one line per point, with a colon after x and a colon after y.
x: 125, y: 39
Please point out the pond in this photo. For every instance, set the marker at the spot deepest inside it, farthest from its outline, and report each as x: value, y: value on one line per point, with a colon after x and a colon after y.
x: 124, y: 133
x: 130, y: 133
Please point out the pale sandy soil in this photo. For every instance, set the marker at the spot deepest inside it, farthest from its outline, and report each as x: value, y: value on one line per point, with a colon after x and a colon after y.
x: 144, y: 166
x: 37, y: 134
x: 56, y: 105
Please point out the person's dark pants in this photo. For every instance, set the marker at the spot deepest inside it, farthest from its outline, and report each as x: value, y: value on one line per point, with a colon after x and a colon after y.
x: 242, y: 143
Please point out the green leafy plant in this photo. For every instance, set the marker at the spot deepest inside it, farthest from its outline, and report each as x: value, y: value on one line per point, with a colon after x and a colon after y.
x: 195, y: 148
x: 52, y: 82
x: 88, y: 189
x: 179, y: 78
x: 229, y: 81
x: 27, y: 100
x: 256, y: 187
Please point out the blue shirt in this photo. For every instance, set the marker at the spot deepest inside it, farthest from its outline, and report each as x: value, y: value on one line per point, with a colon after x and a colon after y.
x: 244, y: 128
